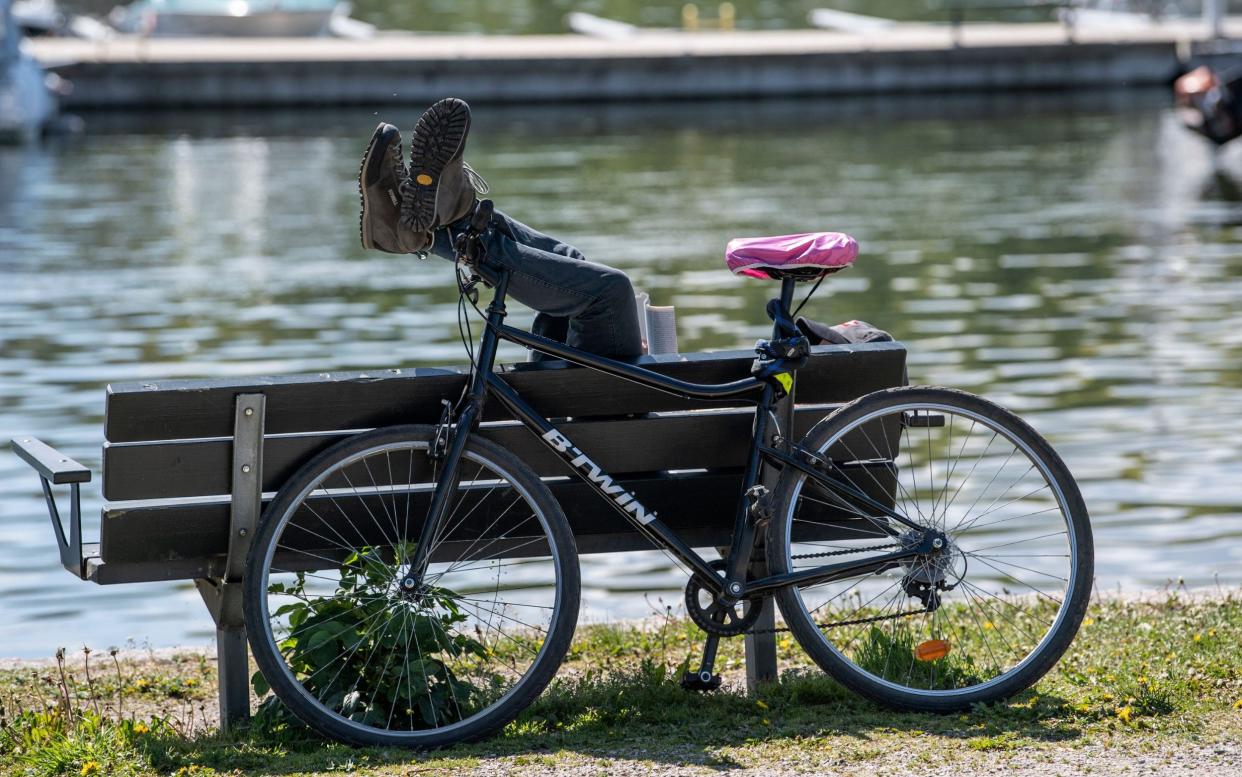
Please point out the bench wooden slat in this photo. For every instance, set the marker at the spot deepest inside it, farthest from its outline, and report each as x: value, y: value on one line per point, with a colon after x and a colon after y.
x: 156, y: 537
x: 179, y: 530
x: 699, y: 440
x: 187, y: 409
x: 104, y: 573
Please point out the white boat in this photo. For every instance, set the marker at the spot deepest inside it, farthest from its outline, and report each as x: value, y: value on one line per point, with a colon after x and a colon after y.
x: 28, y: 105
x: 229, y: 18
x: 38, y: 17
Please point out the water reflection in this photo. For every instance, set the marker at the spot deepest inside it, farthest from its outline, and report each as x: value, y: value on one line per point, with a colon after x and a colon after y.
x: 1077, y: 259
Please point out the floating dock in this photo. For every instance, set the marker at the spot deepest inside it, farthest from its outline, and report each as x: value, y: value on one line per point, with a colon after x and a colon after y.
x: 410, y: 68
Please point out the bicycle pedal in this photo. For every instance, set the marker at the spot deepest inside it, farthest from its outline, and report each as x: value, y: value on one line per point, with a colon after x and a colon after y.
x: 700, y: 681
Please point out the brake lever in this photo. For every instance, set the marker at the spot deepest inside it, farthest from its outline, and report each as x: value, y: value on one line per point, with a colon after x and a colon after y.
x: 468, y: 245
x: 482, y: 218
x: 469, y: 285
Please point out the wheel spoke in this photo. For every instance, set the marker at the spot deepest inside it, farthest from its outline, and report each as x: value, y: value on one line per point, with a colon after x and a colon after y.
x: 932, y: 627
x: 360, y: 651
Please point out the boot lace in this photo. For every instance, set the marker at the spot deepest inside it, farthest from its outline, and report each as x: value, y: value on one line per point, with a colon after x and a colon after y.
x: 396, y: 164
x: 476, y: 180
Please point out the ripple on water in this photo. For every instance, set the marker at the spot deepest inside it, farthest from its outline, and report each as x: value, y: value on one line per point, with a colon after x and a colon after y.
x: 1092, y: 286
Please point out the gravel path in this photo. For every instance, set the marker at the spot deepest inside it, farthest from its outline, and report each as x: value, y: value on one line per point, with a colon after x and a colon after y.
x: 1219, y: 760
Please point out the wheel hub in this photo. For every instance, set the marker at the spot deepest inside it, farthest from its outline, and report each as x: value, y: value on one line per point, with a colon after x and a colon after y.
x: 410, y: 590
x: 934, y: 567
x: 930, y: 573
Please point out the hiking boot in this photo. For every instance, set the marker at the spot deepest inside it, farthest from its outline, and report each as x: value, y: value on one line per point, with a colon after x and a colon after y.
x: 379, y: 184
x: 441, y: 187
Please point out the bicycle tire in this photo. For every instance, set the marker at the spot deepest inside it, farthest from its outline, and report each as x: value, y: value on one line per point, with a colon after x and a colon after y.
x: 315, y: 480
x: 852, y: 655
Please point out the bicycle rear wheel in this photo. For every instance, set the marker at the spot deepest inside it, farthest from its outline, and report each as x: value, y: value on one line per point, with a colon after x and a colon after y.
x: 357, y: 656
x: 980, y: 619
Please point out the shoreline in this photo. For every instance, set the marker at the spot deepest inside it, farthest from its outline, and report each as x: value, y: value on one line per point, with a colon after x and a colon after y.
x: 1152, y: 685
x: 650, y: 623
x: 396, y: 68
x: 1197, y: 594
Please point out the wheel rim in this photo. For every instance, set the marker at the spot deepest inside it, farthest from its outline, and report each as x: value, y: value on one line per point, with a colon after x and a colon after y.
x: 400, y: 664
x: 1010, y: 563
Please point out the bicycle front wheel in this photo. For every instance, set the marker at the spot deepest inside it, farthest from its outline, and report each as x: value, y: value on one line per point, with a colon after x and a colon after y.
x: 978, y: 620
x: 362, y: 658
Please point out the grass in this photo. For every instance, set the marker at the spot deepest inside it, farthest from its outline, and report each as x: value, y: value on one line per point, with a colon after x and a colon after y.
x: 1143, y: 676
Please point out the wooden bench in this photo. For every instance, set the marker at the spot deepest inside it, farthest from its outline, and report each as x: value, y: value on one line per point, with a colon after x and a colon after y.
x: 188, y: 464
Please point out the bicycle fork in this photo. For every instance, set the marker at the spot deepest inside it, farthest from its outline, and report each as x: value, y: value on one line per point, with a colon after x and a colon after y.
x: 467, y: 423
x: 456, y: 446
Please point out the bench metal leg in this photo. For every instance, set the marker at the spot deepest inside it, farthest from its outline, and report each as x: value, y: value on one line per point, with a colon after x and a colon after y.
x: 224, y: 596
x: 233, y: 664
x: 761, y: 665
x: 224, y: 601
x: 761, y: 648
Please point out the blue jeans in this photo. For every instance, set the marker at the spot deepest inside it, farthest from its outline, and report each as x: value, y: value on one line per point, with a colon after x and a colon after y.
x: 580, y: 303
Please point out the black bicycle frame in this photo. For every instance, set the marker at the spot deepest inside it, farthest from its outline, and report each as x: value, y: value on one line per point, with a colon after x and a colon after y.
x: 485, y: 381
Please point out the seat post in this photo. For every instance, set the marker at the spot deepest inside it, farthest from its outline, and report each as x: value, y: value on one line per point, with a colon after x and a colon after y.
x: 787, y: 295
x: 786, y: 307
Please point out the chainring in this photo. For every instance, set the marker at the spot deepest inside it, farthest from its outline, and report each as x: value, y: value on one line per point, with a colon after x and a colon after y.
x: 717, y: 618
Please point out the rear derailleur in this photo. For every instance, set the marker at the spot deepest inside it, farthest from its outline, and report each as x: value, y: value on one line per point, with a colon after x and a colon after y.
x: 925, y: 592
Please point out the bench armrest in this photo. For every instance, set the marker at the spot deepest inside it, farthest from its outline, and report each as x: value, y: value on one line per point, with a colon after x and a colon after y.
x: 55, y: 468
x: 49, y: 462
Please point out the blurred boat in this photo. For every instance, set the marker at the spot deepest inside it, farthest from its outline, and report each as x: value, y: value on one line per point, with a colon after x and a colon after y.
x: 1208, y: 102
x: 28, y: 104
x: 38, y: 17
x: 229, y: 18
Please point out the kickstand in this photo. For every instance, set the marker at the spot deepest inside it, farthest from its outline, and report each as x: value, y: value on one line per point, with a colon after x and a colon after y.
x: 704, y: 679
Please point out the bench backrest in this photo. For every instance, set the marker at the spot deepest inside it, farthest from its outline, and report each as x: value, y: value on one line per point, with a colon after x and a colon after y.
x: 167, y: 459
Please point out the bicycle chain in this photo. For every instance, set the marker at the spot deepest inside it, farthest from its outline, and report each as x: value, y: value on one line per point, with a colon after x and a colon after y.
x: 853, y: 621
x: 845, y: 552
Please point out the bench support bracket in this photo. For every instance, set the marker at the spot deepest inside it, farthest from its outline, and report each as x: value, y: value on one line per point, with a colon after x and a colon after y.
x: 71, y: 547
x: 55, y: 468
x: 223, y: 596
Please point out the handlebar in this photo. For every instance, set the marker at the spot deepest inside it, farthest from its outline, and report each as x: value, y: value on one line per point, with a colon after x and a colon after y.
x: 469, y: 244
x: 482, y: 216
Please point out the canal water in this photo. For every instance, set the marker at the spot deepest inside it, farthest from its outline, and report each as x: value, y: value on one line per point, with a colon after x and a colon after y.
x: 1077, y: 259
x: 548, y: 16
x: 532, y: 17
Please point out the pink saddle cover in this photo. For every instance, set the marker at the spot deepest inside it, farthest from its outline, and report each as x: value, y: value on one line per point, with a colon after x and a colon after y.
x: 754, y: 255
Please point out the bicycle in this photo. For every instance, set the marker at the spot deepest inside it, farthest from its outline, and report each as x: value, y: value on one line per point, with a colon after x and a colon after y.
x: 419, y: 585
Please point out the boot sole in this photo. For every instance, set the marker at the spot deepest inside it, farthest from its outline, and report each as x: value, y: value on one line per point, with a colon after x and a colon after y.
x: 371, y: 169
x: 439, y: 138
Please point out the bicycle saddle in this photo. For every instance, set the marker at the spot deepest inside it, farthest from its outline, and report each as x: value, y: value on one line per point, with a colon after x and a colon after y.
x: 803, y: 257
